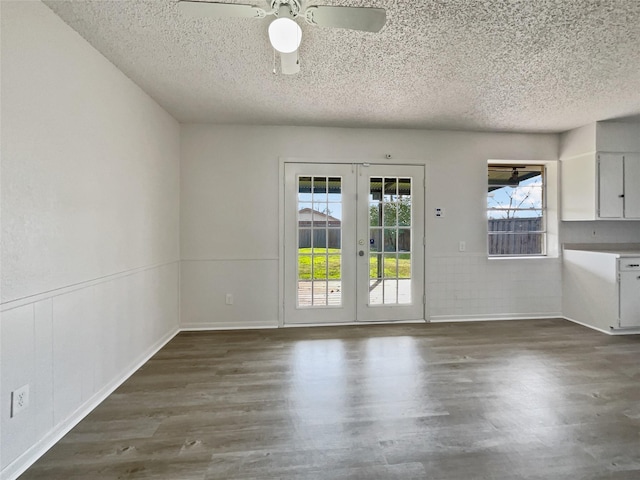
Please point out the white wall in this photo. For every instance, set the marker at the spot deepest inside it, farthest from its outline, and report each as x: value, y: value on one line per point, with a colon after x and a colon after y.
x: 90, y: 204
x: 229, y: 219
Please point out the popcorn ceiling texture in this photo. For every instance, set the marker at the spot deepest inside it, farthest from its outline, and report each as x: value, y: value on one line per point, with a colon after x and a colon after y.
x: 508, y: 65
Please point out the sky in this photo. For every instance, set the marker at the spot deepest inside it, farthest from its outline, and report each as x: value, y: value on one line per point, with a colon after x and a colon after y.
x: 527, y: 195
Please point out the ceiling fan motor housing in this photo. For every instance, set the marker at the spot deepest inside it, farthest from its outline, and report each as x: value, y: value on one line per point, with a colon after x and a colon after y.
x: 286, y: 8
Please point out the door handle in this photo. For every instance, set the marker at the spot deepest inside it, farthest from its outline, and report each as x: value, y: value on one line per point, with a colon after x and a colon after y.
x: 361, y: 253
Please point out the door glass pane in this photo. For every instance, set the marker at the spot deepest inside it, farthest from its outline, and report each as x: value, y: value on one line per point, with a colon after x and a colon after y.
x: 375, y: 292
x: 390, y: 189
x: 319, y: 241
x: 304, y: 189
x: 390, y: 273
x: 375, y: 214
x: 334, y: 193
x: 375, y: 189
x: 404, y: 240
x: 321, y: 214
x: 319, y: 293
x: 335, y: 241
x: 375, y: 265
x: 390, y: 239
x: 320, y: 265
x: 390, y: 265
x: 390, y: 214
x: 404, y: 202
x: 319, y: 189
x: 375, y: 239
x: 404, y: 265
x: 304, y: 237
x: 390, y: 291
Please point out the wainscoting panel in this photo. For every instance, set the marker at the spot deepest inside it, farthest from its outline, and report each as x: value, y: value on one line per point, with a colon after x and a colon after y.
x: 205, y: 284
x: 468, y: 287
x: 73, y: 347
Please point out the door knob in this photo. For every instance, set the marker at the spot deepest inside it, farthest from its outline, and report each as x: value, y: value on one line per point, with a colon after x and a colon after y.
x: 361, y: 253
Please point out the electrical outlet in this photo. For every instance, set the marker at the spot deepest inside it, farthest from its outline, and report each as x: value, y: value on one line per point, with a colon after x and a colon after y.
x: 462, y: 246
x: 19, y: 400
x: 229, y: 299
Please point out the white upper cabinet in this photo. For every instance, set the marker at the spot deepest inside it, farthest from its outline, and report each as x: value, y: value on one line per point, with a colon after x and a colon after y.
x: 610, y: 185
x: 600, y: 172
x: 632, y: 185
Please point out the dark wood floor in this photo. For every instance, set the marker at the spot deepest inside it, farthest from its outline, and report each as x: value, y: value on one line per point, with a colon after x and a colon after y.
x: 498, y: 400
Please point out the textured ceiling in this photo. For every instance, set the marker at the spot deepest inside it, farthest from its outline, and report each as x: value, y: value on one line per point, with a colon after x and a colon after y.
x: 509, y: 65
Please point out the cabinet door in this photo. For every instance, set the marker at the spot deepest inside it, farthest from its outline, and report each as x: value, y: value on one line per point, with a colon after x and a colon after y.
x: 632, y: 185
x: 630, y: 299
x: 611, y: 186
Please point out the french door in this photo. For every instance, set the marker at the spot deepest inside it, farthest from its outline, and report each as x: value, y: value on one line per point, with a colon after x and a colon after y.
x: 353, y: 243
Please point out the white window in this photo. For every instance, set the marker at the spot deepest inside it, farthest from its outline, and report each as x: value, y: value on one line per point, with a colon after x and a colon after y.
x: 516, y: 210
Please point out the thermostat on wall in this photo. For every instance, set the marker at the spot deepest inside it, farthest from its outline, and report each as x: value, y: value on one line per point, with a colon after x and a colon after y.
x: 439, y: 212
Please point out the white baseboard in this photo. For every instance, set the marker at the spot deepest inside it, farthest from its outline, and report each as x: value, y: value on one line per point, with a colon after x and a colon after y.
x: 28, y: 458
x: 494, y: 317
x: 611, y: 331
x: 346, y: 324
x: 203, y: 327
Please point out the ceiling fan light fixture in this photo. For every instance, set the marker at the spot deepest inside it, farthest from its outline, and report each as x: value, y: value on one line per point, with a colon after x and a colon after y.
x: 285, y: 35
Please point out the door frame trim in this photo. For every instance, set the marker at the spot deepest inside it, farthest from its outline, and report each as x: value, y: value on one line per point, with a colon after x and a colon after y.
x: 281, y: 221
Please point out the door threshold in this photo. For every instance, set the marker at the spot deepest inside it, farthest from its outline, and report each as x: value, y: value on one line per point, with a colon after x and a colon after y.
x: 351, y: 324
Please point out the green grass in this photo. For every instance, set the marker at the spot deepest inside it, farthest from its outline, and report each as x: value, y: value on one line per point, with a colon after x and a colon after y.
x: 403, y: 263
x: 319, y: 263
x: 331, y: 257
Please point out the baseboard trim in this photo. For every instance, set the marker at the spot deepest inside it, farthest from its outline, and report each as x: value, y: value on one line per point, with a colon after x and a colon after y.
x: 494, y: 317
x: 610, y: 331
x: 28, y: 458
x: 351, y: 324
x: 205, y: 327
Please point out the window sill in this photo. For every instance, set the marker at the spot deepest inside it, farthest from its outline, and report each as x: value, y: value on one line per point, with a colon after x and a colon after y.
x: 528, y: 257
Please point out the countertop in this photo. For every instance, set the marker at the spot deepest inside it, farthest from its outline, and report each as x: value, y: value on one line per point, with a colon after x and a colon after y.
x: 617, y: 249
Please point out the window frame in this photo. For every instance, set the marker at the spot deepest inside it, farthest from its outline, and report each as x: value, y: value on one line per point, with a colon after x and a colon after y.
x: 544, y: 230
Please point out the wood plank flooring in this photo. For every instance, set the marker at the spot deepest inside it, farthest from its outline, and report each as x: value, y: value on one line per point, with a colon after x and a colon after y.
x: 543, y: 399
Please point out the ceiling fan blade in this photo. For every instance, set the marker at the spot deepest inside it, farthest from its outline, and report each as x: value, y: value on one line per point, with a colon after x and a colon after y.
x: 355, y: 18
x: 289, y: 63
x: 219, y: 10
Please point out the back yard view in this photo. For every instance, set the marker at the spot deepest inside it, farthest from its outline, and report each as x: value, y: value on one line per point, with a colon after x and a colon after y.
x: 326, y: 264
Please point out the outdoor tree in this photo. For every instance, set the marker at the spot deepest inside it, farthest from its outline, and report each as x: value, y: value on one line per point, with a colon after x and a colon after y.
x: 524, y: 200
x: 401, y: 208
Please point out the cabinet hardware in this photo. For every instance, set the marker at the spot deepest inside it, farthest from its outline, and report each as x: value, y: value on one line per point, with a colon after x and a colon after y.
x: 633, y: 265
x: 621, y: 196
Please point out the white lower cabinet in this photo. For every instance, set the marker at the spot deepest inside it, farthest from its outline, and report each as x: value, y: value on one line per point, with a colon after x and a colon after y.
x: 601, y: 289
x: 629, y: 291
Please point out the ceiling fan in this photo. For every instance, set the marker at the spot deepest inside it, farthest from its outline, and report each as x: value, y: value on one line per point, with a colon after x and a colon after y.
x: 284, y: 33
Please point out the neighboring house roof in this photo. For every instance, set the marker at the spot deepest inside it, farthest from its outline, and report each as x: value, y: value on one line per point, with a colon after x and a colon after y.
x: 311, y: 215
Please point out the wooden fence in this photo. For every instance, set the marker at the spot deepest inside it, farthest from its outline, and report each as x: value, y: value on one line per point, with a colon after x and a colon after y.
x: 515, y: 236
x: 320, y: 239
x: 507, y: 236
